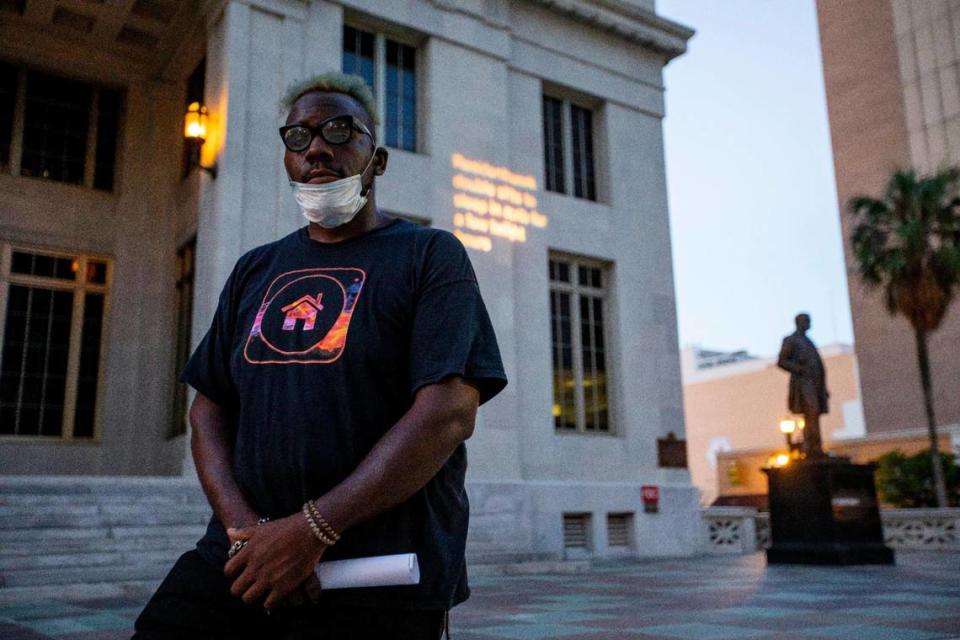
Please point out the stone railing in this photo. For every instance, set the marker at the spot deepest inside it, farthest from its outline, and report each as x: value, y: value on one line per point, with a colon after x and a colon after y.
x: 921, y: 528
x: 745, y: 530
x: 729, y: 530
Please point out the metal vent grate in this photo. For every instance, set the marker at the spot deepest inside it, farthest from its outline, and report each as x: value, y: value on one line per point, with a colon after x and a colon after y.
x: 619, y: 529
x: 576, y: 530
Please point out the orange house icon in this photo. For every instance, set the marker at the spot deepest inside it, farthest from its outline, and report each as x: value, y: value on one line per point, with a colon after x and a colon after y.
x: 305, y: 309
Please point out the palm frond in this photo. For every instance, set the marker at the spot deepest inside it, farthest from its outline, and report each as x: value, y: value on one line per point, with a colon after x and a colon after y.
x: 908, y: 242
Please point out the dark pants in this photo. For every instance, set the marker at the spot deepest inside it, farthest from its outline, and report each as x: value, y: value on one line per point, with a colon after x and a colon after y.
x: 194, y: 603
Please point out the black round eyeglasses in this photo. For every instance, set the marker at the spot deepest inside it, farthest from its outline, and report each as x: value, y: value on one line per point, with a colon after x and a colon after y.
x: 335, y: 130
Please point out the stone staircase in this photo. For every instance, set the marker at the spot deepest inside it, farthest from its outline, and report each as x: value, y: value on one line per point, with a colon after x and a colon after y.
x: 79, y: 538
x: 71, y: 538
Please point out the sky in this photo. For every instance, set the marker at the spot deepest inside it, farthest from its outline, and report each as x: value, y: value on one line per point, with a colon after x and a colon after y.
x: 753, y: 205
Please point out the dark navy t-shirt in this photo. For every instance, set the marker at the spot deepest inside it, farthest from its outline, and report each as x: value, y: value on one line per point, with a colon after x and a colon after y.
x: 317, y: 350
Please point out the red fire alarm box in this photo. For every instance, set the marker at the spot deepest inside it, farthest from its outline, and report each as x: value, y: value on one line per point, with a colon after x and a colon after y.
x: 651, y: 498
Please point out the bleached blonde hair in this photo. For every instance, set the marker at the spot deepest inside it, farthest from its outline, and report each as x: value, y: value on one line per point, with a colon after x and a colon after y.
x: 333, y: 82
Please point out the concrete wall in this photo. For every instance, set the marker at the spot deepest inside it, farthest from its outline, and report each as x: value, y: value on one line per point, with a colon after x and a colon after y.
x: 891, y: 75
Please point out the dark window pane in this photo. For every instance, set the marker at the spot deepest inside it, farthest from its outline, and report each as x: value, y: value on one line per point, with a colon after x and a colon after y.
x: 586, y: 355
x: 88, y: 374
x: 8, y: 416
x: 564, y: 272
x: 8, y: 101
x: 44, y: 266
x: 21, y: 262
x: 56, y: 120
x: 108, y: 125
x: 564, y: 407
x: 185, y: 269
x: 358, y: 53
x: 35, y: 352
x: 33, y: 264
x: 96, y: 272
x: 401, y: 96
x: 583, y: 171
x: 65, y: 269
x: 553, y: 143
x: 11, y: 361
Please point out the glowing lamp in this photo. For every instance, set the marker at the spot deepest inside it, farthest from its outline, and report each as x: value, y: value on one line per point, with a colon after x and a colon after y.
x: 195, y: 122
x: 782, y: 459
x: 788, y: 426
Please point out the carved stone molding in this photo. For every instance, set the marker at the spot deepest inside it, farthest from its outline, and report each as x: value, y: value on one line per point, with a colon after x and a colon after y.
x: 627, y: 21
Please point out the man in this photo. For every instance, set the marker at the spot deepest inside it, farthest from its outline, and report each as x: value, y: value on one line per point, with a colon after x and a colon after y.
x: 808, y: 394
x: 335, y: 388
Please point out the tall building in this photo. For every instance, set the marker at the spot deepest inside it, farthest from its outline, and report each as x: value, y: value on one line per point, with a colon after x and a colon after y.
x: 892, y: 75
x: 530, y: 128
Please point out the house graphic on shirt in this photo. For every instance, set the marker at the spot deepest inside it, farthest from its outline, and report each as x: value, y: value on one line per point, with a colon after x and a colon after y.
x: 305, y: 309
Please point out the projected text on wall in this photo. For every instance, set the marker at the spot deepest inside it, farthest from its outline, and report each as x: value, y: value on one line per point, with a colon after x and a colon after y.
x: 492, y: 202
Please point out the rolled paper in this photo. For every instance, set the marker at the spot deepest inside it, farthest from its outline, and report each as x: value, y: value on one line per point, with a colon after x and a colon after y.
x: 376, y: 571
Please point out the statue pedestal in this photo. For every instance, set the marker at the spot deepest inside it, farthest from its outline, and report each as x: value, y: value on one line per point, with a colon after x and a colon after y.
x: 824, y: 511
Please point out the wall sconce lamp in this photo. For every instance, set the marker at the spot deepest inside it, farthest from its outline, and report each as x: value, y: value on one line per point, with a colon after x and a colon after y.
x: 195, y: 122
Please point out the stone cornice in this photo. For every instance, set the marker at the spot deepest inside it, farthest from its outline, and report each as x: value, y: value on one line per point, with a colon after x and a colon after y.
x: 628, y: 21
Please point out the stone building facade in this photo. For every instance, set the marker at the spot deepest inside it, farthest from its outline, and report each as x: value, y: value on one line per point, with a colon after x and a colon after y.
x: 530, y: 128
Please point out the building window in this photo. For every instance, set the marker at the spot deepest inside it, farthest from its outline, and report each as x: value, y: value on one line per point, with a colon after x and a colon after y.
x: 569, y: 126
x: 52, y: 337
x: 58, y: 128
x: 186, y: 265
x: 578, y: 336
x: 390, y: 68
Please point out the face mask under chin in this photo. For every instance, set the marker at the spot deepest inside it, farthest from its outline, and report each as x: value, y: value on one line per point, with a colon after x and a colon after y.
x: 332, y: 204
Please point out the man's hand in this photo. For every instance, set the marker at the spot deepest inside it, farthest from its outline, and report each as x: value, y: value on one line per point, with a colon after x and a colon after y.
x: 278, y: 558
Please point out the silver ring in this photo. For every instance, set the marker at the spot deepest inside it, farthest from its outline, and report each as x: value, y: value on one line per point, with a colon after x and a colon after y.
x: 235, y: 548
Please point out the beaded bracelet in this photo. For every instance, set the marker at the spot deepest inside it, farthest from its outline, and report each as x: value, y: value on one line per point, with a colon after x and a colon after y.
x: 323, y: 523
x: 316, y: 530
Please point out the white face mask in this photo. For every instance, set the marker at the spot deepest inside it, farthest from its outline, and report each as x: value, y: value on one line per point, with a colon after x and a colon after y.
x: 332, y: 204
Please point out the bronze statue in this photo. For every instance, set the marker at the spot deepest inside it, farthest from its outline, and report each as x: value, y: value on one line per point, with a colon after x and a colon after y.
x: 808, y: 383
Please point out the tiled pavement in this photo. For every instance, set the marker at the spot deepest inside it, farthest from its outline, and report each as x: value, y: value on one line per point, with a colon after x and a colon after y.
x: 710, y: 598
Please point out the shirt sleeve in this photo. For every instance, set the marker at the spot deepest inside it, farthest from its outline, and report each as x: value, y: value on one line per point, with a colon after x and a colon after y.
x: 452, y: 333
x: 208, y: 369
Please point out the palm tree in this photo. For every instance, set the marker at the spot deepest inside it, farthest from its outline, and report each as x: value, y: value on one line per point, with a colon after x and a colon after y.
x: 908, y: 243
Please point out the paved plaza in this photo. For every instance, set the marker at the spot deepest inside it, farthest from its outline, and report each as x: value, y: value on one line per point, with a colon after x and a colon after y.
x: 707, y: 598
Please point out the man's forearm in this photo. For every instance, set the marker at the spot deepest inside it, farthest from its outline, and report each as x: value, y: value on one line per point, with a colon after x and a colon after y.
x: 406, y: 457
x: 213, y: 456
